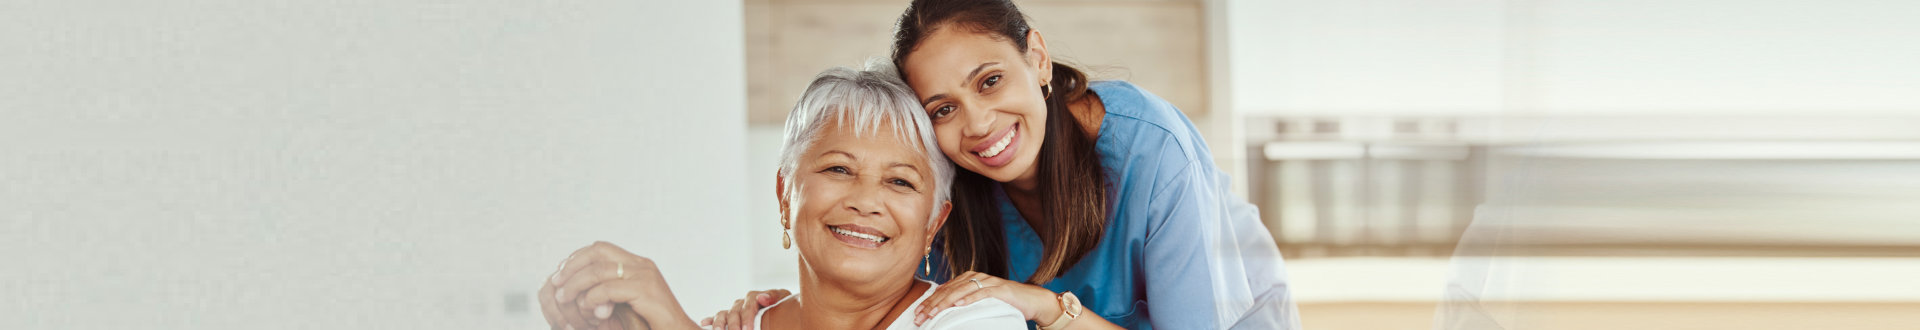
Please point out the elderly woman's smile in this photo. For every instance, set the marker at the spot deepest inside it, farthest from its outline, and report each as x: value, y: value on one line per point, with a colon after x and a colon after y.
x: 857, y: 235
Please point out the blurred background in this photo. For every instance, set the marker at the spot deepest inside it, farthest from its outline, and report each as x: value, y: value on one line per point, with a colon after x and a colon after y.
x: 1459, y: 164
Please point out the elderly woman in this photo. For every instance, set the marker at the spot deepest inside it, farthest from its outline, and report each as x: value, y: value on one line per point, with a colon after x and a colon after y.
x: 862, y: 189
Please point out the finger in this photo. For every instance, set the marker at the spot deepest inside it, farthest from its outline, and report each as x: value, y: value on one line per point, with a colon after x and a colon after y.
x: 954, y: 289
x: 598, y: 309
x: 587, y: 278
x: 585, y: 257
x: 743, y: 311
x: 971, y: 297
x: 574, y: 317
x: 776, y: 295
x: 565, y: 317
x: 939, y: 294
x: 573, y: 320
x: 720, y: 320
x: 942, y: 296
x: 555, y: 278
x: 578, y: 319
x: 977, y: 295
x: 964, y: 285
x: 609, y: 294
x: 739, y: 315
x: 549, y: 308
x: 759, y: 302
x: 766, y: 299
x: 595, y: 308
x: 756, y: 300
x: 743, y: 306
x: 573, y: 262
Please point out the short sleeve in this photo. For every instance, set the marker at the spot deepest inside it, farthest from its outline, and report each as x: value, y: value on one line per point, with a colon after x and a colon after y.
x: 1210, y: 263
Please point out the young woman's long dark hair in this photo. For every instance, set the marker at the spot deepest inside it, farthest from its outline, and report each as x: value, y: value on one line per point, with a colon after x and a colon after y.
x: 1072, y: 185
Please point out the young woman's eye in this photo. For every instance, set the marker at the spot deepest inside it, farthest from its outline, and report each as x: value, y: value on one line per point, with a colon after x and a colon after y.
x: 942, y: 111
x: 991, y: 80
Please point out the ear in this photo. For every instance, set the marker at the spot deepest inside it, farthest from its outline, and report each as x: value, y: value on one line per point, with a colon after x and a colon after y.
x: 1037, y: 50
x: 780, y: 191
x: 946, y: 208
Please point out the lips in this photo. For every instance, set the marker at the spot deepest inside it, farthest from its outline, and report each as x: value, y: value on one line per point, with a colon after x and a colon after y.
x: 858, y: 236
x: 998, y: 150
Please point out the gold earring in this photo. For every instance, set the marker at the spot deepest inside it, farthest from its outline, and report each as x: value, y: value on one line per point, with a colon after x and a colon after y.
x: 1046, y: 91
x: 786, y: 241
x: 925, y: 265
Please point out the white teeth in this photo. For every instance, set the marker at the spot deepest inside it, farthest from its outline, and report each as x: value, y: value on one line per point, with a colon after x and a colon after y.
x: 998, y: 146
x: 837, y: 230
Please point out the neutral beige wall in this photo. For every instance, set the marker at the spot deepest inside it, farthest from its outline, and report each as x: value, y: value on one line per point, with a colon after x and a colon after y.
x: 1158, y: 44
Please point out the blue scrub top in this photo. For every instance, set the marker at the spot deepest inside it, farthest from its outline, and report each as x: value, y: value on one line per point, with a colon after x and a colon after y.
x: 1181, y: 251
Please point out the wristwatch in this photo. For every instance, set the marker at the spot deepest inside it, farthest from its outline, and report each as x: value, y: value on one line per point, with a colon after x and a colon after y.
x: 1069, y: 309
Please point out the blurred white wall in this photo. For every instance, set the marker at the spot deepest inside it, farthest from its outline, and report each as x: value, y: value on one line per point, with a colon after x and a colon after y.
x: 362, y: 165
x: 1573, y: 57
x: 1297, y: 57
x: 773, y: 267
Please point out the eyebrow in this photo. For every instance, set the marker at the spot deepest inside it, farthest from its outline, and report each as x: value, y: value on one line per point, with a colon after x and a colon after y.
x: 842, y: 153
x: 916, y: 169
x: 970, y: 75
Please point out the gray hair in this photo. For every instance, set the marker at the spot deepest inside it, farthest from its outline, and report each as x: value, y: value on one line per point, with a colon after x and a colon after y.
x: 863, y: 100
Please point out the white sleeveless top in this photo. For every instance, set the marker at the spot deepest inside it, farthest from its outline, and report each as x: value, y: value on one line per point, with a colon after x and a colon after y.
x: 985, y: 314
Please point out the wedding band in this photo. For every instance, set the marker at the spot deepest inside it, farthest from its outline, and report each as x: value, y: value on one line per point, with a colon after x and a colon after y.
x: 976, y: 283
x: 620, y: 270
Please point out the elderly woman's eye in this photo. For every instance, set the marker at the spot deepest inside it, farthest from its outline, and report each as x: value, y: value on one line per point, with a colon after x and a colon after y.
x: 837, y: 169
x: 901, y: 182
x: 991, y: 80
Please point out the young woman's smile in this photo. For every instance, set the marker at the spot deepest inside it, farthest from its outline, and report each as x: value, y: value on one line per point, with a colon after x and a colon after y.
x: 998, y: 150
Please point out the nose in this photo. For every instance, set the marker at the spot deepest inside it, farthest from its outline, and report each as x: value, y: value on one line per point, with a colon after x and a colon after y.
x: 979, y: 122
x: 865, y: 200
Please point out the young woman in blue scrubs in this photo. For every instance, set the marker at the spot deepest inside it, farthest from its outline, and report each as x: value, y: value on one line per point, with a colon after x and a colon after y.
x: 1084, y: 204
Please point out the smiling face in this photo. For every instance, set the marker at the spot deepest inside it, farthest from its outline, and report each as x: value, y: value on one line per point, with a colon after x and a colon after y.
x: 860, y: 206
x: 984, y: 97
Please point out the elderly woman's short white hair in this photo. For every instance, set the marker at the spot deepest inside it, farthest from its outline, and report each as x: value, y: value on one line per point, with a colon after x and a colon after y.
x: 862, y: 100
